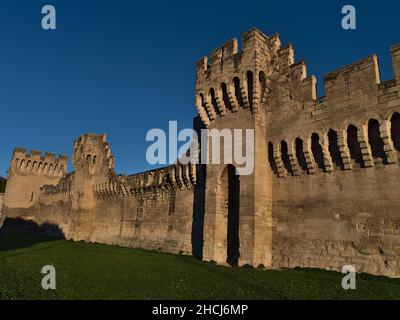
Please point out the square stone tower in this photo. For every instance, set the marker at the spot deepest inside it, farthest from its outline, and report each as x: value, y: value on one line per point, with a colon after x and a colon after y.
x: 231, y: 88
x: 92, y: 161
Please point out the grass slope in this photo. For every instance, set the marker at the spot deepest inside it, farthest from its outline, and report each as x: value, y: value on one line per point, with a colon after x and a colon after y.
x: 95, y: 271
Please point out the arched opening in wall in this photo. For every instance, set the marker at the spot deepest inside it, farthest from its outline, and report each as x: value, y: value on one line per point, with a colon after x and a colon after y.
x: 34, y: 165
x: 229, y: 197
x: 271, y: 158
x: 250, y: 87
x: 203, y: 104
x: 334, y: 149
x: 225, y: 97
x: 263, y: 83
x: 301, y: 158
x: 29, y: 165
x: 51, y: 168
x: 22, y: 165
x: 354, y: 145
x: 214, y: 101
x: 376, y: 142
x: 395, y: 130
x: 238, y: 92
x: 285, y: 157
x: 317, y: 151
x: 89, y: 159
x: 94, y: 159
x: 45, y: 167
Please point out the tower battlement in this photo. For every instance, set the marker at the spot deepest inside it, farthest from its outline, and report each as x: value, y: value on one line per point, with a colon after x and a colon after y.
x: 233, y: 79
x: 37, y: 163
x: 228, y: 55
x: 395, y: 52
x: 92, y: 151
x: 264, y: 76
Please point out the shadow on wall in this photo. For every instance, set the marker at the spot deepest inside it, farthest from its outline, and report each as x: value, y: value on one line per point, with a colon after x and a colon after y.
x: 198, y: 213
x: 199, y: 201
x: 3, y: 182
x: 19, y: 226
x: 19, y: 233
x: 2, y: 218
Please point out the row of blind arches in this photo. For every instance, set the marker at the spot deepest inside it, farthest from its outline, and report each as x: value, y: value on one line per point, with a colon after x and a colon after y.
x: 374, y: 139
x: 249, y: 79
x: 40, y: 166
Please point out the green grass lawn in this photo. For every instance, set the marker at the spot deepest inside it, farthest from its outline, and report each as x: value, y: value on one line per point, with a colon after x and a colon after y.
x: 95, y: 271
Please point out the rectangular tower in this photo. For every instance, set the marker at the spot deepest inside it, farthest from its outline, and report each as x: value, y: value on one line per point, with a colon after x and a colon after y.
x: 230, y: 88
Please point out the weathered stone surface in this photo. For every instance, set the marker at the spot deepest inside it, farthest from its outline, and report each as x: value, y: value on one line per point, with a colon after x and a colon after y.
x: 325, y: 191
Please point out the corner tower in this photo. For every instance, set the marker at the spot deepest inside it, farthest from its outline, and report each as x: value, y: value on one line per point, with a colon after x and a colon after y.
x: 28, y: 173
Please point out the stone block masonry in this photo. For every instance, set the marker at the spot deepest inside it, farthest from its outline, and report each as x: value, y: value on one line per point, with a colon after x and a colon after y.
x: 324, y: 192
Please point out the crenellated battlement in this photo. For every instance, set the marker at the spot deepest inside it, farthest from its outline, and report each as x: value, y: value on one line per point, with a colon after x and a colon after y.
x: 347, y: 87
x: 395, y: 52
x: 37, y: 163
x: 63, y: 191
x: 92, y: 151
x: 323, y: 191
x: 355, y: 125
x: 225, y: 56
x: 263, y: 75
x: 175, y: 177
x: 352, y: 80
x: 28, y: 172
x: 233, y: 80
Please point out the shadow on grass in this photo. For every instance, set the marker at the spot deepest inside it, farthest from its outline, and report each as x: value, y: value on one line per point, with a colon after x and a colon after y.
x: 19, y: 233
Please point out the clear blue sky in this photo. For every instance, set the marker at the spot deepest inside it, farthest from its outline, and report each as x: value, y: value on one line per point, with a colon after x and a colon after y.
x: 124, y: 67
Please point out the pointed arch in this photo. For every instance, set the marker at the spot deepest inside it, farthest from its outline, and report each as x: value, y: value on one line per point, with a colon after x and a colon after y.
x: 375, y: 141
x: 228, y: 207
x: 317, y: 151
x: 301, y: 158
x: 271, y: 158
x: 225, y: 96
x: 22, y: 165
x: 354, y: 146
x: 214, y: 101
x: 395, y: 130
x: 285, y: 157
x: 202, y: 102
x: 250, y: 87
x: 334, y: 149
x: 238, y: 92
x: 262, y: 78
